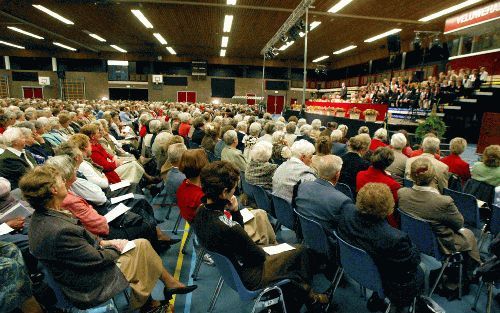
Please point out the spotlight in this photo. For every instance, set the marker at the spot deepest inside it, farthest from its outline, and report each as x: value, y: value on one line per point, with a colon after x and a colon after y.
x: 301, y: 25
x: 284, y: 38
x: 294, y: 33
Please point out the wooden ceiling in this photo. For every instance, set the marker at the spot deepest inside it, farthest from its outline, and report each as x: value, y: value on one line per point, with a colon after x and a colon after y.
x: 194, y: 28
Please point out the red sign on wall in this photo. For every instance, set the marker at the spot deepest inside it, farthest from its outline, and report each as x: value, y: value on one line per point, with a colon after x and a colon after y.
x: 473, y: 17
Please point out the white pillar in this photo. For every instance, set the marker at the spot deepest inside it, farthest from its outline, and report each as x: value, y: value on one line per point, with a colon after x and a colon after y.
x: 7, y: 62
x: 54, y: 65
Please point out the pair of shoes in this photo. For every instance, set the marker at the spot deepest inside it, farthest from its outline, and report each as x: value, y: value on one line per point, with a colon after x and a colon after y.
x: 168, y: 292
x: 207, y: 259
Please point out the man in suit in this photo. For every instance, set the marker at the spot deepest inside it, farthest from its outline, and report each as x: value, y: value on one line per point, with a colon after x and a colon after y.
x: 430, y: 147
x: 318, y: 199
x: 343, y: 92
x: 15, y: 161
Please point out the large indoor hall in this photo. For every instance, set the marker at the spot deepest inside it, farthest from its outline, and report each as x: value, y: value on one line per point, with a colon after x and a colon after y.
x: 249, y: 156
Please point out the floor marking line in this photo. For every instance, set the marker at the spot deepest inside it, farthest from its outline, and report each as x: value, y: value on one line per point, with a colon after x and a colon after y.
x: 180, y: 259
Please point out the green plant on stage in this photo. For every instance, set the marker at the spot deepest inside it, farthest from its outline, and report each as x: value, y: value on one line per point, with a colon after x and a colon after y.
x: 432, y: 124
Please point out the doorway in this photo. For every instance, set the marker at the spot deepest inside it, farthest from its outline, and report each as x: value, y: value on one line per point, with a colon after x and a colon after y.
x: 186, y: 96
x: 33, y: 92
x: 275, y: 104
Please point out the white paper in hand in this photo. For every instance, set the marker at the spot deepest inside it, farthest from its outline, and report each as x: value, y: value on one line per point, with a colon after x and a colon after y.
x: 117, y: 211
x: 272, y: 250
x: 129, y: 246
x: 246, y: 214
x: 5, y: 229
x: 122, y: 198
x: 120, y: 185
x: 480, y: 203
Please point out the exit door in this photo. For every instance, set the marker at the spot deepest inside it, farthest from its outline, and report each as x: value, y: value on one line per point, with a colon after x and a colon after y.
x: 33, y: 92
x: 186, y: 96
x: 275, y: 104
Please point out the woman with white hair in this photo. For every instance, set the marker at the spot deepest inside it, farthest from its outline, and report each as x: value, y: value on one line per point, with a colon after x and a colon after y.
x: 338, y: 148
x: 53, y: 138
x: 379, y: 139
x: 344, y: 129
x: 301, y: 122
x: 397, y: 168
x: 316, y: 125
x: 281, y: 151
x: 259, y: 170
x: 154, y: 127
x: 230, y: 153
x: 290, y: 136
x: 251, y: 138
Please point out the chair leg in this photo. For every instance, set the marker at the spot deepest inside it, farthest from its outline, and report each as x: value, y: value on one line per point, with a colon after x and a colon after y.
x: 186, y: 243
x: 413, y: 308
x: 177, y: 223
x: 490, y: 297
x: 460, y: 281
x: 445, y: 264
x: 215, y: 296
x: 168, y: 212
x: 388, y: 308
x: 199, y: 260
x: 478, y: 293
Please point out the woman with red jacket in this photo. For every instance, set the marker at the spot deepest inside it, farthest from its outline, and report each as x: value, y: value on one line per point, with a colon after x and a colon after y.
x: 455, y: 163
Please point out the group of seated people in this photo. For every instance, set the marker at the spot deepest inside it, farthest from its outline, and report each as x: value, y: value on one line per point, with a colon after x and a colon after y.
x: 193, y: 155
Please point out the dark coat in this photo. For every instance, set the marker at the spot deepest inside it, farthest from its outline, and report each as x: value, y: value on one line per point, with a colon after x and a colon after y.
x: 85, y: 272
x: 13, y: 167
x: 352, y: 165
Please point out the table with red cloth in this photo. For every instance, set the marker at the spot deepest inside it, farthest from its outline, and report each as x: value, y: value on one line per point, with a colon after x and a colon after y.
x: 381, y: 108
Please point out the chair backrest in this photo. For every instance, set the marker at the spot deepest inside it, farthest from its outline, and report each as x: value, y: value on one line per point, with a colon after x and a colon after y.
x: 210, y: 156
x: 231, y: 276
x: 495, y: 220
x: 421, y: 234
x: 407, y: 183
x: 345, y: 189
x: 467, y: 205
x: 360, y: 266
x: 481, y: 190
x: 284, y: 212
x: 455, y: 183
x: 247, y: 189
x: 262, y: 197
x: 314, y: 235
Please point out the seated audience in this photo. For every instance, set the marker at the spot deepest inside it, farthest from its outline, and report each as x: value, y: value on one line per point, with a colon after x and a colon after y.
x: 219, y: 233
x: 251, y: 138
x: 67, y: 250
x: 185, y: 126
x: 353, y: 162
x: 15, y: 160
x: 397, y: 168
x: 305, y: 131
x: 395, y: 256
x: 269, y: 129
x: 338, y: 148
x: 281, y: 152
x: 316, y: 125
x: 323, y: 146
x: 379, y: 139
x: 290, y: 133
x: 198, y: 132
x: 212, y: 131
x: 220, y: 145
x: 294, y: 170
x: 407, y: 150
x: 420, y: 151
x: 456, y: 164
x: 488, y: 170
x: 259, y: 170
x: 363, y: 130
x: 241, y: 130
x: 230, y: 153
x: 430, y: 146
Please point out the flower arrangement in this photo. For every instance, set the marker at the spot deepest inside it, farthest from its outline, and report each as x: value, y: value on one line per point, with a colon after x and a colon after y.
x: 340, y: 112
x: 354, y: 110
x: 340, y: 109
x: 370, y: 112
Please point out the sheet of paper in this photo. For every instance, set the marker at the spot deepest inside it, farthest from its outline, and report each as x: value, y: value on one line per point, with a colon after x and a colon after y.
x: 129, y: 246
x: 120, y: 185
x: 246, y: 214
x: 272, y: 250
x: 480, y: 203
x: 5, y: 229
x: 117, y: 211
x: 17, y: 210
x: 122, y: 198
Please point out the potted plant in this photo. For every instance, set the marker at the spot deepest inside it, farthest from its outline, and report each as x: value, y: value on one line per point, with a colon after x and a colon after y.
x: 339, y: 112
x: 370, y: 115
x: 354, y: 113
x: 432, y: 124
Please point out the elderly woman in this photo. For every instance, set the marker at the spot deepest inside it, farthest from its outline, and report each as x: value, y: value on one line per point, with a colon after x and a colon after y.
x: 269, y: 129
x: 316, y: 125
x: 211, y: 136
x: 396, y: 258
x: 290, y: 133
x: 49, y: 134
x: 38, y: 151
x: 456, y: 164
x: 379, y: 139
x: 344, y: 129
x: 281, y: 151
x: 305, y: 134
x: 397, y: 168
x: 154, y: 127
x: 198, y: 132
x: 363, y: 130
x: 353, y: 162
x: 381, y: 159
x: 488, y: 170
x: 259, y: 170
x: 230, y: 153
x: 338, y: 148
x: 65, y: 120
x: 251, y: 138
x: 14, y: 161
x: 323, y: 146
x: 67, y: 250
x: 220, y: 145
x: 225, y: 235
x: 185, y: 125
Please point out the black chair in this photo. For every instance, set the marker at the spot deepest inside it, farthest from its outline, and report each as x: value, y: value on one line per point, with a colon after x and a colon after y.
x: 481, y: 190
x: 455, y: 183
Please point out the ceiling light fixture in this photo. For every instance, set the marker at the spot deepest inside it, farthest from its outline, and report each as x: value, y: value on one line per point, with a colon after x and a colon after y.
x: 24, y: 32
x: 228, y: 22
x: 171, y: 50
x: 449, y: 10
x: 118, y: 48
x: 321, y: 58
x: 339, y: 6
x: 142, y: 18
x: 160, y: 38
x: 64, y: 46
x: 387, y: 33
x: 225, y: 41
x: 345, y: 49
x: 286, y: 45
x: 231, y: 2
x: 95, y: 36
x: 222, y: 52
x: 11, y: 44
x: 53, y: 14
x: 118, y: 62
x: 312, y: 26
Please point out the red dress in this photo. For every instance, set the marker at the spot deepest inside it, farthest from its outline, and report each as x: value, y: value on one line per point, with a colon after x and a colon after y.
x: 457, y: 166
x: 188, y: 199
x: 376, y: 143
x: 373, y: 175
x: 105, y: 160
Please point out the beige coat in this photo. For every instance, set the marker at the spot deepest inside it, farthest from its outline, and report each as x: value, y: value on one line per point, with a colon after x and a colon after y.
x: 442, y: 175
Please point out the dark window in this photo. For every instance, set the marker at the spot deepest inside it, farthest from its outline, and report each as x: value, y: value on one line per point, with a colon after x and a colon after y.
x: 222, y: 88
x: 276, y: 85
x: 175, y: 81
x: 33, y: 64
x: 25, y: 76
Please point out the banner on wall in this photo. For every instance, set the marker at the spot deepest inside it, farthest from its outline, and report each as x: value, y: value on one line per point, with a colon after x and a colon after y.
x: 480, y: 15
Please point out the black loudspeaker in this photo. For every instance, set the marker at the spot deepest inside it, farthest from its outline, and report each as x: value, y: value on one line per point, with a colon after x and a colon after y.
x: 61, y: 74
x: 394, y: 43
x: 418, y: 76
